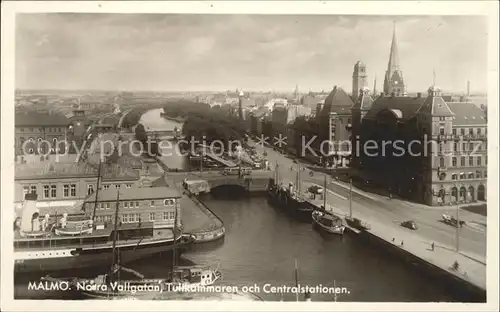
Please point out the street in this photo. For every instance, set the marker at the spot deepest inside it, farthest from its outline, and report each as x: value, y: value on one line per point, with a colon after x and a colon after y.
x: 472, y: 237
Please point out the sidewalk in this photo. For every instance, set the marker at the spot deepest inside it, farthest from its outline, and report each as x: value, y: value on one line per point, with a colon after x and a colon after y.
x: 471, y: 270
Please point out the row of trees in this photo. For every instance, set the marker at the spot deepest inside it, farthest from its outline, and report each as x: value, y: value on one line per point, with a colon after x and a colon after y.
x: 206, y: 123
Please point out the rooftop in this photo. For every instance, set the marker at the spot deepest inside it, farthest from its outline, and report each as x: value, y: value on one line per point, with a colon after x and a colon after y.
x: 40, y: 118
x: 467, y: 114
x: 338, y: 101
x: 407, y: 106
x: 136, y: 193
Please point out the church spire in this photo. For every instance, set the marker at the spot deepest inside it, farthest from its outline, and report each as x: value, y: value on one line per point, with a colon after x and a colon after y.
x: 394, y: 56
x: 393, y: 81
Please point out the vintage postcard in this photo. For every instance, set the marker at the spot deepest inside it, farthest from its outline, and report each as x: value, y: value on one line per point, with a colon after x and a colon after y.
x: 250, y: 155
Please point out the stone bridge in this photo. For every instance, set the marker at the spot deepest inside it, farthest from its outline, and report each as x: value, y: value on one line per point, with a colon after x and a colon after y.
x: 257, y: 181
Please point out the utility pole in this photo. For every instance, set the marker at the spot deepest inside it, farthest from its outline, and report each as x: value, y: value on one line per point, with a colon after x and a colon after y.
x: 350, y: 198
x: 324, y: 193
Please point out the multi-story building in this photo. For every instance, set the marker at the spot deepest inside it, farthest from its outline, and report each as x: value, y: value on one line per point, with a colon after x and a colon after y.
x: 40, y: 131
x: 283, y: 117
x: 441, y: 154
x: 61, y: 185
x: 159, y: 205
x: 335, y: 126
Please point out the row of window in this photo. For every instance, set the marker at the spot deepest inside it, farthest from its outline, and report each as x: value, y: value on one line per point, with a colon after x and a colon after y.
x: 463, y: 161
x: 134, y: 204
x: 106, y: 186
x: 136, y: 217
x: 472, y: 146
x: 479, y: 131
x: 69, y: 190
x: 50, y: 129
x: 470, y: 175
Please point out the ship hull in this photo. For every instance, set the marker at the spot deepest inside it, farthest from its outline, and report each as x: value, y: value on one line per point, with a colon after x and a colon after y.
x: 86, y: 258
x: 298, y: 210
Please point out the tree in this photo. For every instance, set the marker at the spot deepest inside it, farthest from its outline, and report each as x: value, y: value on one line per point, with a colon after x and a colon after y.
x: 140, y: 133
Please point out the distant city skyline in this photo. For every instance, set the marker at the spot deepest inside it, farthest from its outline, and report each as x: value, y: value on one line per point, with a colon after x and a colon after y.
x: 167, y: 52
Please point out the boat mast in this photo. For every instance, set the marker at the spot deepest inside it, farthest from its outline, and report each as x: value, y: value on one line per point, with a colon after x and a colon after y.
x: 335, y: 292
x: 174, y: 254
x: 115, y: 234
x: 97, y: 190
x: 296, y: 280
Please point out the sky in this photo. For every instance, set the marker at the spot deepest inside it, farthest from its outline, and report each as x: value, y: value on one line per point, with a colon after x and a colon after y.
x: 175, y: 52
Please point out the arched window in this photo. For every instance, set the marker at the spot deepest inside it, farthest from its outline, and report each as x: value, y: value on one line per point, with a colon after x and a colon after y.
x: 441, y: 162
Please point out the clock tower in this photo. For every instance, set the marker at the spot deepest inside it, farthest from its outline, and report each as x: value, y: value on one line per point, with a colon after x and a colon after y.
x: 393, y: 81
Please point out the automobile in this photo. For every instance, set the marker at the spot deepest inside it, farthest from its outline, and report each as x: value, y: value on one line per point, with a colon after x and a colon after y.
x: 409, y: 225
x: 452, y: 221
x: 315, y: 189
x: 295, y: 161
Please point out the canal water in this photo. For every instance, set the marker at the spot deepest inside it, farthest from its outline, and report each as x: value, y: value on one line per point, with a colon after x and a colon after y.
x: 263, y: 245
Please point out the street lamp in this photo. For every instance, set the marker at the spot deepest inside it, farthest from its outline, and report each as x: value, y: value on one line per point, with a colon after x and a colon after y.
x: 458, y: 220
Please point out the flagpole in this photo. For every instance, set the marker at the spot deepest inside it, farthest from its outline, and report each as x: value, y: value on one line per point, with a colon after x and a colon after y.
x: 296, y: 280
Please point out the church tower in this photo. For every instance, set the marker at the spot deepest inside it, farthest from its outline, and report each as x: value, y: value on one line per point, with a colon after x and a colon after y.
x: 358, y: 80
x: 393, y: 81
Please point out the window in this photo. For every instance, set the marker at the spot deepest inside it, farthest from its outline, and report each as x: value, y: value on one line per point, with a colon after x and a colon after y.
x: 53, y: 191
x: 125, y: 205
x: 462, y: 131
x: 108, y: 218
x: 90, y: 189
x: 462, y: 161
x: 151, y: 216
x: 464, y: 146
x: 131, y: 204
x: 125, y: 218
x: 165, y: 215
x: 485, y: 173
x: 441, y: 130
x: 152, y: 204
x: 66, y: 190
x: 471, y: 131
x: 471, y: 175
x: 26, y: 190
x: 454, y: 176
x: 171, y: 215
x: 136, y: 204
x: 117, y: 186
x: 128, y: 185
x: 471, y: 146
x: 33, y: 189
x: 455, y: 147
x: 98, y: 206
x: 479, y: 130
x: 137, y: 217
x: 441, y: 162
x: 471, y: 161
x: 107, y: 206
x: 479, y: 161
x: 453, y: 161
x: 478, y: 174
x: 73, y: 190
x: 441, y: 147
x: 105, y: 187
x: 454, y: 131
x: 462, y: 176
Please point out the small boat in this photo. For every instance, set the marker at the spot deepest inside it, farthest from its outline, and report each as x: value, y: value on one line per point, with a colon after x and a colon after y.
x: 104, y: 287
x: 328, y: 222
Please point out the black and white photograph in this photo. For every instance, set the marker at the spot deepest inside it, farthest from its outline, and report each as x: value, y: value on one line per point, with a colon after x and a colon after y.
x: 228, y: 152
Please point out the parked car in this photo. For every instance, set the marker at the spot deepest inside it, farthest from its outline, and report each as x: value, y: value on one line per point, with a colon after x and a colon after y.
x: 409, y: 225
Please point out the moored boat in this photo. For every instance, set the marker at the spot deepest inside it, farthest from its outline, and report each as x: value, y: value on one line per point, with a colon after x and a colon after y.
x: 328, y: 222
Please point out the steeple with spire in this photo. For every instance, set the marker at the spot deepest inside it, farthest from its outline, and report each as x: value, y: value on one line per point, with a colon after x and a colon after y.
x: 393, y: 81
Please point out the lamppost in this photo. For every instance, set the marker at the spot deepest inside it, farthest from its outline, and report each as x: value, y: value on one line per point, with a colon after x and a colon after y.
x: 458, y: 220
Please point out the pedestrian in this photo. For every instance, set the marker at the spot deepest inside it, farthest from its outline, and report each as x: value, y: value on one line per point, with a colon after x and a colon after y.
x: 432, y: 246
x: 393, y: 239
x: 402, y: 243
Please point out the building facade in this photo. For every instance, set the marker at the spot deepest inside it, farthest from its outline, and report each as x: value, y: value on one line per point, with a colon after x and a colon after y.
x: 441, y: 155
x: 40, y: 132
x: 158, y: 205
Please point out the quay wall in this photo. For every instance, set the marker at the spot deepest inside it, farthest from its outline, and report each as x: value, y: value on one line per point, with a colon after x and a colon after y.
x: 460, y: 288
x: 216, y: 231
